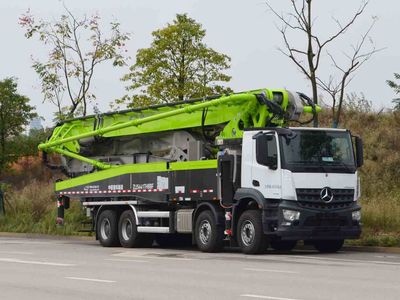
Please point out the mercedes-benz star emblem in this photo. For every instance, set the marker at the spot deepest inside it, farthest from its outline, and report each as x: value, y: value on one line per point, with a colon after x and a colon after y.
x: 326, y: 194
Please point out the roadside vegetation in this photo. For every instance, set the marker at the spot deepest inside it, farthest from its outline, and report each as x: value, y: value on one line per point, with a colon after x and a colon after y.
x: 30, y: 203
x: 380, y: 194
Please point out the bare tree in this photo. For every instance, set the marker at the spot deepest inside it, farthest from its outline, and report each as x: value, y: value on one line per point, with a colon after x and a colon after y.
x: 300, y: 20
x: 335, y: 87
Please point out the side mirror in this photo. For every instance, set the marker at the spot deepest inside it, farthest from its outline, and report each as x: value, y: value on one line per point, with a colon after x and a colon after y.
x: 359, y: 152
x: 266, y: 152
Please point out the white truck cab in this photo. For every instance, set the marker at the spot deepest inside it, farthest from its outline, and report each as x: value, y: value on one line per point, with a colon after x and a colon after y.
x: 306, y: 181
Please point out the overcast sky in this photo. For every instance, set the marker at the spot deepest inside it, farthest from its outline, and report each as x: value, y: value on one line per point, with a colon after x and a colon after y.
x: 243, y: 29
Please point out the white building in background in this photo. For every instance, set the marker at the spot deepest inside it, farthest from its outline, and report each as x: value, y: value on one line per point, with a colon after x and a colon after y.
x: 35, y: 124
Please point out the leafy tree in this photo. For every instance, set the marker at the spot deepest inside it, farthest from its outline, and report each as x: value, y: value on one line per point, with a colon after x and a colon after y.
x: 77, y: 47
x: 27, y: 144
x: 396, y: 87
x: 177, y: 66
x: 15, y: 113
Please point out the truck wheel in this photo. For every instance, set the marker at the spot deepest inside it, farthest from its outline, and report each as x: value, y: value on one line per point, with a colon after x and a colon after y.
x: 107, y: 228
x: 283, y: 245
x: 328, y: 246
x: 208, y: 235
x: 127, y: 232
x: 250, y: 235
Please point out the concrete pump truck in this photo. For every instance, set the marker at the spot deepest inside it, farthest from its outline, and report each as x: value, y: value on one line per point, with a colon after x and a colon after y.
x: 217, y: 170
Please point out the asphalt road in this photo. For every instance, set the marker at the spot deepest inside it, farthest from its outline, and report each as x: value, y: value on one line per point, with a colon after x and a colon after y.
x: 70, y: 269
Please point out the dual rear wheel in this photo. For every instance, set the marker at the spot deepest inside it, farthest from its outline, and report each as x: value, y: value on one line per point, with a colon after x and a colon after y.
x: 114, y: 231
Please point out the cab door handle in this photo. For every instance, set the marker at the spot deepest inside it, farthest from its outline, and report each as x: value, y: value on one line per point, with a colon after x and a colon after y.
x: 256, y: 183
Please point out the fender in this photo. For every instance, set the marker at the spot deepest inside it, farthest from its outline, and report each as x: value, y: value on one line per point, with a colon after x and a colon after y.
x: 242, y: 198
x: 218, y: 215
x: 246, y: 193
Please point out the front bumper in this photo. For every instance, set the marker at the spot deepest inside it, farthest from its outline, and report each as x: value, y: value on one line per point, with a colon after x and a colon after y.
x: 313, y: 224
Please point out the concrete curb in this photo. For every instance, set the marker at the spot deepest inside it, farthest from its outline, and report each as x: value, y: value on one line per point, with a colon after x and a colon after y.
x: 372, y: 249
x: 47, y: 236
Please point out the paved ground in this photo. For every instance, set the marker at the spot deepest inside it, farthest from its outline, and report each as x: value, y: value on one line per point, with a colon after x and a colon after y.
x: 67, y: 269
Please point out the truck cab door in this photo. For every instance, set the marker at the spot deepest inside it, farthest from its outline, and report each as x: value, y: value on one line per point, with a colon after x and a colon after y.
x: 266, y: 169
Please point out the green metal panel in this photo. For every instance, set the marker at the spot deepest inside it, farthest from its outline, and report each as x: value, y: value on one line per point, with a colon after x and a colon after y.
x: 134, y: 168
x: 193, y: 165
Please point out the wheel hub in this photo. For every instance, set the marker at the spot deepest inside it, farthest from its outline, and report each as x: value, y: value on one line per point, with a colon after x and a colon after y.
x: 247, y: 233
x: 205, y: 232
x: 126, y: 229
x: 105, y: 229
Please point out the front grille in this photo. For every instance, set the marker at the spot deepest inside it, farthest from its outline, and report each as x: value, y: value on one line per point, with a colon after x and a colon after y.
x: 310, y: 198
x: 313, y: 195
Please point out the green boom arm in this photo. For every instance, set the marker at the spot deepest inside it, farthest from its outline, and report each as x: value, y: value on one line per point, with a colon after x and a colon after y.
x: 236, y: 111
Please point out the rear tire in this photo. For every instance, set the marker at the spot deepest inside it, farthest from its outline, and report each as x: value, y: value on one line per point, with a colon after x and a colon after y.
x: 250, y: 235
x: 208, y: 235
x: 107, y: 228
x: 283, y: 245
x: 127, y: 232
x: 328, y: 246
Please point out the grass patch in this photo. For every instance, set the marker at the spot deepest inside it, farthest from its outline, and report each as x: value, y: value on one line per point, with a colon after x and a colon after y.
x: 32, y: 209
x: 381, y: 220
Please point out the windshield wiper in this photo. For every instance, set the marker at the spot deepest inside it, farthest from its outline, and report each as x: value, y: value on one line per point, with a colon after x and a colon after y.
x: 342, y: 164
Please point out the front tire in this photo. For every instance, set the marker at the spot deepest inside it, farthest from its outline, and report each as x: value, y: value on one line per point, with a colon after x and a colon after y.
x: 127, y: 232
x: 208, y: 235
x: 250, y: 235
x: 328, y: 246
x: 107, y: 228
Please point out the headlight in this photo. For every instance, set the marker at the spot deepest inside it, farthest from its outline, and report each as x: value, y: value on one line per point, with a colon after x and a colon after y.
x: 358, y: 189
x: 290, y: 215
x: 356, y: 215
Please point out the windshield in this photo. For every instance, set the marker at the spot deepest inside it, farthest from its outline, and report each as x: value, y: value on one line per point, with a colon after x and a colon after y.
x: 318, y: 151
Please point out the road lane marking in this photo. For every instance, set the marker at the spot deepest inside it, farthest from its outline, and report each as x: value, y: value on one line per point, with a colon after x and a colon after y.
x: 269, y: 270
x: 32, y: 262
x: 29, y: 242
x: 91, y: 279
x: 126, y: 260
x: 331, y: 259
x: 266, y: 297
x: 383, y: 262
x: 385, y: 256
x: 166, y: 257
x: 16, y: 252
